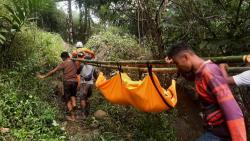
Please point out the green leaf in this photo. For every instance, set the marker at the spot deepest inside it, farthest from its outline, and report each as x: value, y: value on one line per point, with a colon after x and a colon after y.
x: 16, y: 27
x: 9, y: 9
x: 1, y: 42
x: 20, y: 12
x: 30, y: 6
x: 13, y: 30
x: 17, y: 19
x: 3, y: 31
x: 2, y: 39
x: 6, y: 18
x: 32, y: 19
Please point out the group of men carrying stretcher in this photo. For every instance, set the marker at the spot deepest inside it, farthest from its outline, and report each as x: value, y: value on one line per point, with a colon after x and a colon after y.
x: 76, y: 77
x: 222, y: 116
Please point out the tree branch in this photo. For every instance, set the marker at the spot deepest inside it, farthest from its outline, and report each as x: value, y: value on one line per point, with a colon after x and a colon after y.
x: 158, y: 12
x: 238, y: 13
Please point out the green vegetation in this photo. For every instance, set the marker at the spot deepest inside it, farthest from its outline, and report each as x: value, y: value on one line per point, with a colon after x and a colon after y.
x: 24, y: 99
x: 212, y: 27
x: 116, y: 44
x: 32, y: 35
x: 127, y: 123
x: 18, y: 13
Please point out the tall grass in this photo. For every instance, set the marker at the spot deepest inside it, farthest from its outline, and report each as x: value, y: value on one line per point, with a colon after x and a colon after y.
x: 24, y: 109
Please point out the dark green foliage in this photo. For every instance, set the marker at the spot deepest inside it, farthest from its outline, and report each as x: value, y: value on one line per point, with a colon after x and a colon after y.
x: 23, y: 111
x: 13, y: 21
x: 127, y: 123
x: 116, y: 44
x: 25, y: 99
x: 17, y: 13
x: 211, y: 27
x: 27, y: 43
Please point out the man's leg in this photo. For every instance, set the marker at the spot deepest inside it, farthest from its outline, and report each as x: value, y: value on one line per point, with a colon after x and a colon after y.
x: 71, y: 104
x: 84, y: 98
x: 89, y: 93
x: 208, y: 136
x: 66, y: 95
x: 70, y: 110
x: 83, y: 95
x: 83, y: 103
x: 73, y: 101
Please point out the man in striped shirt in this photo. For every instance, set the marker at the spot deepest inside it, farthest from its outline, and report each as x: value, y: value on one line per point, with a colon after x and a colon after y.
x: 223, y: 119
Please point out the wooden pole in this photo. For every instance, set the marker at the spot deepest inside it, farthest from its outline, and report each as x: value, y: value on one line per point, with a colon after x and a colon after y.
x: 225, y: 59
x: 165, y: 70
x: 231, y: 59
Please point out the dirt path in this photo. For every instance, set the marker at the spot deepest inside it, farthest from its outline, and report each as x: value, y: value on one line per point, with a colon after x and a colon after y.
x: 79, y: 130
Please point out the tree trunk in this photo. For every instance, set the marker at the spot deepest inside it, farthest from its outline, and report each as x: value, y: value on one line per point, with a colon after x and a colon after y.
x: 152, y: 29
x: 138, y: 22
x: 154, y: 32
x: 81, y: 28
x: 85, y: 22
x: 70, y: 23
x: 89, y: 25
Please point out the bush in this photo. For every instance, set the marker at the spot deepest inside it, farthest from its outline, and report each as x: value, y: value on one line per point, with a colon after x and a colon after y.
x: 27, y: 115
x: 115, y: 44
x: 127, y: 123
x: 25, y: 109
x: 32, y: 46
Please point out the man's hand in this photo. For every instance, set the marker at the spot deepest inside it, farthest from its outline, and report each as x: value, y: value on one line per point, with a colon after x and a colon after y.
x: 223, y: 66
x: 40, y: 76
x: 168, y: 60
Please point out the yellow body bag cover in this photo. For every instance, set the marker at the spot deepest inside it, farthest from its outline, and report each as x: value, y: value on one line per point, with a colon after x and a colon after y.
x: 143, y: 95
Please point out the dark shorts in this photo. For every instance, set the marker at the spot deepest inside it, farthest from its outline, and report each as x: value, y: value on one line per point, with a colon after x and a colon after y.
x: 208, y: 136
x: 70, y: 89
x: 85, y: 91
x: 220, y: 131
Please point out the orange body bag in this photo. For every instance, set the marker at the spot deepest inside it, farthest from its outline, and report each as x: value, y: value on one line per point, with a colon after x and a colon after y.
x: 143, y: 95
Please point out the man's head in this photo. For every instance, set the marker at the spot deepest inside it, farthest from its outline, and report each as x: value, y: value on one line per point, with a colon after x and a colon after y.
x: 64, y: 55
x: 79, y: 44
x: 182, y: 56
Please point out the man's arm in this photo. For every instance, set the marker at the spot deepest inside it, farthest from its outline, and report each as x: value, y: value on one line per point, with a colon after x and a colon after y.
x: 231, y: 110
x: 59, y: 67
x: 229, y: 79
x: 48, y: 74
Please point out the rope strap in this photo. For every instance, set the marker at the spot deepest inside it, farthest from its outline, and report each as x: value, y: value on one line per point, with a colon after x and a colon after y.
x: 153, y: 81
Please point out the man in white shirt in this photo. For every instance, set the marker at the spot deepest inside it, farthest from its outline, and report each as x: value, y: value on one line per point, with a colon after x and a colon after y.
x: 242, y: 79
x: 88, y: 74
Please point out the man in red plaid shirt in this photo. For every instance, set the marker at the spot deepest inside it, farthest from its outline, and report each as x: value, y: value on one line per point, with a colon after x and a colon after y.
x: 223, y: 118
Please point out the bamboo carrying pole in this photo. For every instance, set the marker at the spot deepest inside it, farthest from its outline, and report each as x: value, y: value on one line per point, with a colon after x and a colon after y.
x: 166, y: 70
x: 137, y: 65
x: 225, y: 59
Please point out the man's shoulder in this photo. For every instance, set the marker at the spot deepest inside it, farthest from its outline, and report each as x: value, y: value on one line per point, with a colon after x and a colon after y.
x: 90, y: 66
x: 211, y: 70
x: 70, y: 63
